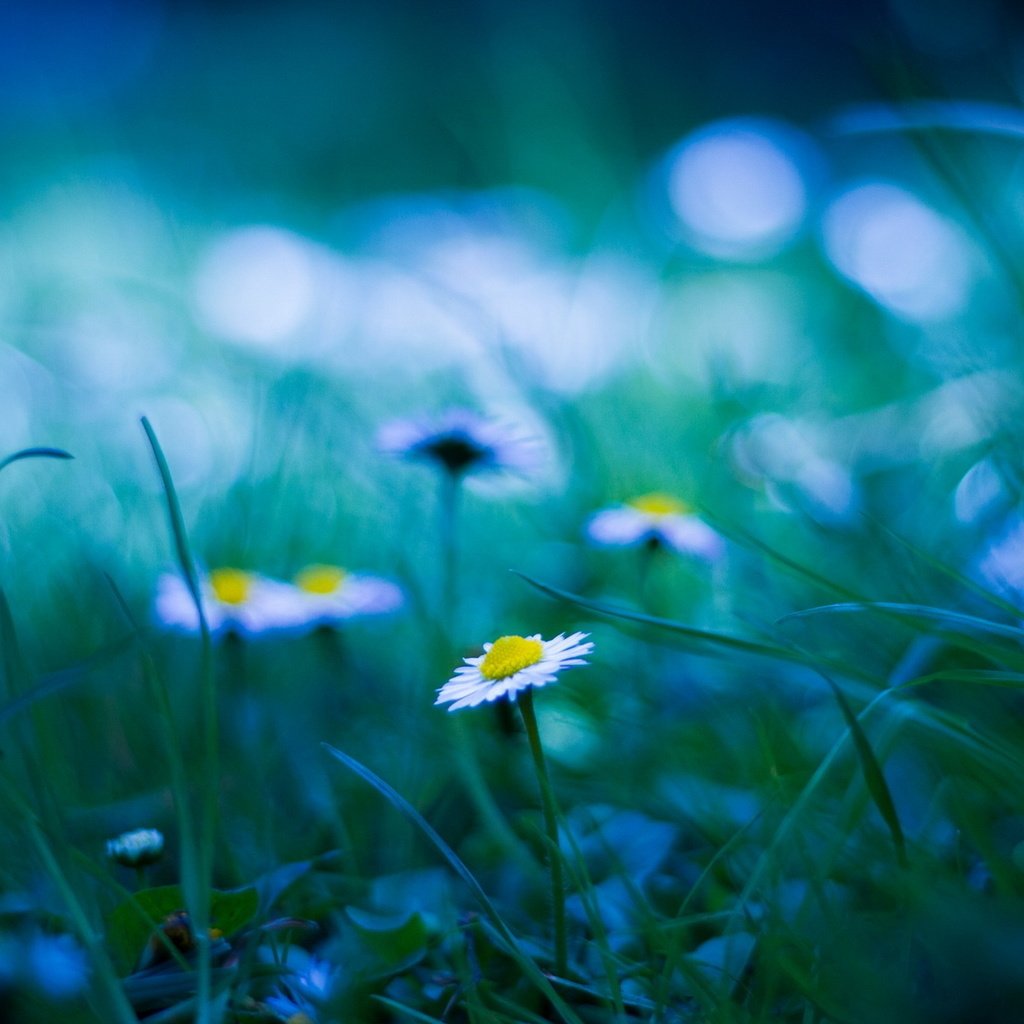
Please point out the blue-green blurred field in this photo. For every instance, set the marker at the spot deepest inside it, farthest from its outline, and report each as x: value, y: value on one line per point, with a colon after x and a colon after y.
x: 765, y: 262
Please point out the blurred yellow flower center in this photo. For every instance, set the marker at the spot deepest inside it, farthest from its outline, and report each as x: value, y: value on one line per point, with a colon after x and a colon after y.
x: 658, y: 504
x: 320, y: 579
x: 509, y: 654
x: 230, y: 586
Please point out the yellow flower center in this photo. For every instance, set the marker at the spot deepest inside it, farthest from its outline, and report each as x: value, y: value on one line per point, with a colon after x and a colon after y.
x: 230, y: 586
x: 659, y: 504
x: 320, y: 579
x: 509, y: 654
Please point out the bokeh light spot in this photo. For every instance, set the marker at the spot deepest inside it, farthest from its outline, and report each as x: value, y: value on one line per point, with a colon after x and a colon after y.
x: 908, y: 258
x: 255, y: 285
x: 738, y: 188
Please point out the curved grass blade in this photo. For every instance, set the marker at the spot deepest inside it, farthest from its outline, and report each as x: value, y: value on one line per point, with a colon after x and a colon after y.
x: 982, y: 676
x: 34, y: 453
x: 404, y: 807
x: 181, y: 545
x: 947, y: 570
x: 56, y: 682
x: 16, y: 674
x: 670, y: 625
x: 795, y: 568
x: 873, y: 777
x: 196, y: 881
x: 943, y: 616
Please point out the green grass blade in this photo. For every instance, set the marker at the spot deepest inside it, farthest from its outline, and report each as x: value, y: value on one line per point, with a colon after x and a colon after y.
x: 458, y: 866
x: 16, y: 673
x: 197, y: 884
x: 672, y: 626
x: 873, y: 776
x: 982, y: 676
x: 942, y: 616
x: 34, y: 453
x: 57, y: 682
x: 180, y: 537
x: 958, y: 577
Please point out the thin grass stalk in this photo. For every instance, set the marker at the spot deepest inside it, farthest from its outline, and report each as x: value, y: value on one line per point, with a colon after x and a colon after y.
x: 466, y: 759
x: 197, y: 884
x: 547, y: 796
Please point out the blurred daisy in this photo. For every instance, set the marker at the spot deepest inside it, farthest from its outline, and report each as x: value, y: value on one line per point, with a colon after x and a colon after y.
x: 327, y: 593
x: 656, y: 520
x: 511, y: 664
x: 305, y: 989
x: 460, y: 441
x: 243, y: 602
x: 137, y: 848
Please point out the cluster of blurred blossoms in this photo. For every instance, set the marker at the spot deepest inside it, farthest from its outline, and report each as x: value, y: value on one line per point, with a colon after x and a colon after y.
x: 249, y: 603
x: 458, y: 443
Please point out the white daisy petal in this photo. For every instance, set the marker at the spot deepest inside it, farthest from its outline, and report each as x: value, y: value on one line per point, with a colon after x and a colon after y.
x: 512, y: 664
x: 656, y: 519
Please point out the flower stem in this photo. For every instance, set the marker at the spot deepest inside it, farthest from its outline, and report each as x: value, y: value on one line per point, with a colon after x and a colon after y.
x: 547, y: 796
x: 467, y: 760
x: 451, y: 486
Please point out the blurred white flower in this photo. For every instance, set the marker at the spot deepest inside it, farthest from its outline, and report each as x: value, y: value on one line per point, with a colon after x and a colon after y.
x: 511, y: 664
x: 137, y: 848
x: 327, y: 593
x: 233, y: 600
x: 55, y: 966
x: 304, y: 990
x: 659, y: 520
x: 460, y: 441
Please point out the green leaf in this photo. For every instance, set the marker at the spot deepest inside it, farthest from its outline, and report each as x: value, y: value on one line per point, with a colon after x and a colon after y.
x: 35, y: 453
x: 132, y: 922
x: 394, y: 938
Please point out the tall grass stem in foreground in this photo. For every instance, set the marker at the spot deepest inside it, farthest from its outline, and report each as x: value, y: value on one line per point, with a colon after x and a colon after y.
x: 547, y: 796
x: 197, y: 867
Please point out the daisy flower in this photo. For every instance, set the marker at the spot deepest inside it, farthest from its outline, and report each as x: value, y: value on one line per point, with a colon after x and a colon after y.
x: 511, y: 664
x: 327, y: 593
x: 656, y: 519
x: 244, y: 602
x: 461, y: 441
x: 137, y: 848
